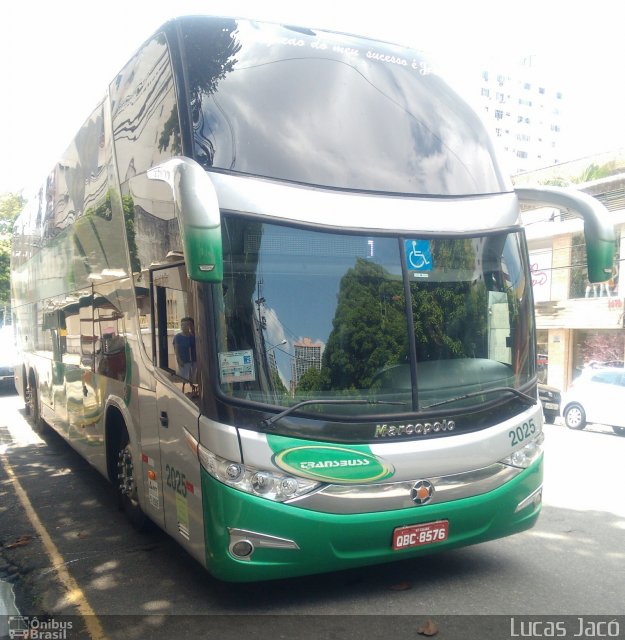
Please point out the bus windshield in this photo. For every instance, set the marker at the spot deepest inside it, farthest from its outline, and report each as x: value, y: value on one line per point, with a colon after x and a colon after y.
x: 332, y: 110
x: 409, y: 321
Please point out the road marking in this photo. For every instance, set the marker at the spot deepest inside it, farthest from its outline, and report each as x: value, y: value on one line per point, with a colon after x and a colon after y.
x: 75, y: 594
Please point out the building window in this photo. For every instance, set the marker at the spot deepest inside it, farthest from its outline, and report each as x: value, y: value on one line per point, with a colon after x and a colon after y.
x: 485, y: 76
x: 498, y: 114
x: 541, y: 90
x: 521, y: 154
x: 485, y: 92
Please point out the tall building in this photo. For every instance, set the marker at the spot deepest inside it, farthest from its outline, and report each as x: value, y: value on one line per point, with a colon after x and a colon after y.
x: 307, y: 354
x: 523, y: 110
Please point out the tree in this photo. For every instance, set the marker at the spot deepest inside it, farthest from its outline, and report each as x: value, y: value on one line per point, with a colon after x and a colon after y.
x: 595, y: 172
x: 591, y: 172
x: 370, y: 325
x: 309, y: 382
x: 10, y: 206
x: 5, y: 275
x: 369, y: 328
x: 210, y: 58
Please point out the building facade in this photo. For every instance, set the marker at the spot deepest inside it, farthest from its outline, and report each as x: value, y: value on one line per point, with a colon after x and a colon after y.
x: 578, y: 323
x: 522, y: 109
x: 307, y: 354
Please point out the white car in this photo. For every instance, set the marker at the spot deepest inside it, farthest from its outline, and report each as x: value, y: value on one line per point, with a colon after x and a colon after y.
x: 8, y: 359
x: 597, y: 395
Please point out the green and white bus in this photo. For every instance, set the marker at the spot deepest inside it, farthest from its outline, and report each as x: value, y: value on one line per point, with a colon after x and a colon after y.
x: 356, y: 380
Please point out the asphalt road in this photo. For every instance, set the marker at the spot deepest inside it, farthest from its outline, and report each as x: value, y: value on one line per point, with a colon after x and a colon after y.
x: 113, y: 582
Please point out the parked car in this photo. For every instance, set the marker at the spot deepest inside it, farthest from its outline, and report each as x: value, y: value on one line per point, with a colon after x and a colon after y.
x: 8, y: 358
x: 550, y: 398
x: 596, y: 396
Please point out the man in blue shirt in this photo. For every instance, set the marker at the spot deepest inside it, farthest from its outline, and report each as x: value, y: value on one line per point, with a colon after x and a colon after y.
x: 184, y: 347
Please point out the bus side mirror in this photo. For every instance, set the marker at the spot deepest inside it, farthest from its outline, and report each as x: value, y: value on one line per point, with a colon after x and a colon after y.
x: 598, y: 230
x: 199, y: 218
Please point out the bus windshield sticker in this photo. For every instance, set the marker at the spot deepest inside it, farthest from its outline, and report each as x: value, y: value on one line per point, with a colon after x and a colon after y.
x: 418, y: 255
x: 237, y: 366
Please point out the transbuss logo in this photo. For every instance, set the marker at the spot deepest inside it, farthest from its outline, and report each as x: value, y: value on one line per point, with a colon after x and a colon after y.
x: 333, y: 464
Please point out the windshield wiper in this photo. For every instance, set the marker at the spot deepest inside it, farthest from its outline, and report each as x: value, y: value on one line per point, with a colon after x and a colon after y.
x: 269, y: 421
x: 519, y: 394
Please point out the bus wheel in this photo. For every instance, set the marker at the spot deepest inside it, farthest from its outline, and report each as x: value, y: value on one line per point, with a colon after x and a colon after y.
x: 33, y: 408
x: 127, y: 487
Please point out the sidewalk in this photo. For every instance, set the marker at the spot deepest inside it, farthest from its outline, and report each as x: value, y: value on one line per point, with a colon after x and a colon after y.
x: 21, y: 552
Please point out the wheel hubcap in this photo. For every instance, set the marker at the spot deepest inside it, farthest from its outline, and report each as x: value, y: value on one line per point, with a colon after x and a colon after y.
x: 574, y: 418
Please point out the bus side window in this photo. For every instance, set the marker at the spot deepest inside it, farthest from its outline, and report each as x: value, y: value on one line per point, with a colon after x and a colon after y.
x: 171, y: 307
x: 110, y: 341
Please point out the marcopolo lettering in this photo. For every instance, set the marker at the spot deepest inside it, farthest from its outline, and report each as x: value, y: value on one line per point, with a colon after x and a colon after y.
x: 413, y: 429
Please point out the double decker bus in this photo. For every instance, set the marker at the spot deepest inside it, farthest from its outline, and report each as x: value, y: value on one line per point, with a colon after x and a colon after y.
x: 277, y: 292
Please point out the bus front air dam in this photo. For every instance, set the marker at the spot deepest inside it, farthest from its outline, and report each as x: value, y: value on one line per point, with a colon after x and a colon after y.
x: 277, y: 540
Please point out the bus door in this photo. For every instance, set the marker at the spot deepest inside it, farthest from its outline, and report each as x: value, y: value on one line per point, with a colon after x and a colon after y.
x: 177, y: 404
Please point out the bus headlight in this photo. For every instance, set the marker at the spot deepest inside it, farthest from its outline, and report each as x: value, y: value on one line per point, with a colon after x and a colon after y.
x: 266, y: 484
x: 526, y: 455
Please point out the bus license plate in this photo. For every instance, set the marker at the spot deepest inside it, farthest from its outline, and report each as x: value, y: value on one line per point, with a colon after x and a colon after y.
x: 417, y: 535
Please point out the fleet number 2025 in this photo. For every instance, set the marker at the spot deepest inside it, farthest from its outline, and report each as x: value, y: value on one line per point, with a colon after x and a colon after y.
x: 522, y: 432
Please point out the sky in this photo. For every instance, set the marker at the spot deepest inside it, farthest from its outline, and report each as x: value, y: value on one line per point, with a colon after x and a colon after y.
x: 57, y: 58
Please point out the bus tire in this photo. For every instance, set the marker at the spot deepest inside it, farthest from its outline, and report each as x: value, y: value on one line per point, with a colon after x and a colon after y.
x: 575, y: 417
x: 127, y: 487
x: 33, y: 406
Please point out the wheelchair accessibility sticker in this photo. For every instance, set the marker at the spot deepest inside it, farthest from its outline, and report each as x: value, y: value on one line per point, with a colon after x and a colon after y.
x: 418, y: 255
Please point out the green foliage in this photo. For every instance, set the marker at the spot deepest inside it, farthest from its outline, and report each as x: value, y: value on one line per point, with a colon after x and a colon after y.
x: 278, y: 385
x: 309, y: 382
x: 5, y: 272
x: 11, y: 204
x: 579, y: 270
x: 591, y: 172
x: 170, y: 136
x: 555, y: 182
x: 595, y: 172
x: 128, y: 206
x: 369, y: 328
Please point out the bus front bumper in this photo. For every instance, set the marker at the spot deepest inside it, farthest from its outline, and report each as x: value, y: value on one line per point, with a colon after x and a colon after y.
x: 287, y: 540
